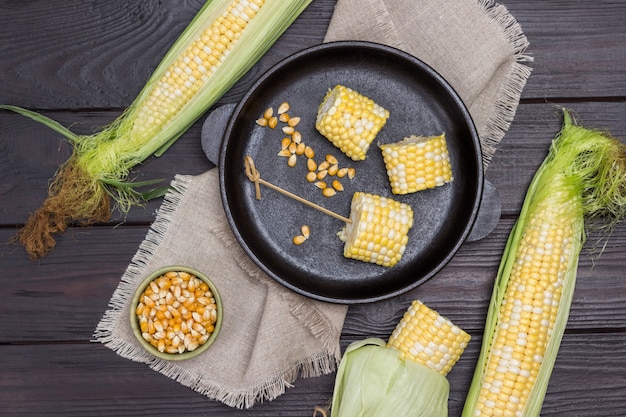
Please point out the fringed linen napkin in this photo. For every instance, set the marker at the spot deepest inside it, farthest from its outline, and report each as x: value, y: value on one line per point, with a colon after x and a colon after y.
x: 476, y: 45
x: 270, y: 336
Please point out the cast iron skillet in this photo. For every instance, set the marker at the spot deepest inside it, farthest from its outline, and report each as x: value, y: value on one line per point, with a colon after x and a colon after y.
x: 420, y: 102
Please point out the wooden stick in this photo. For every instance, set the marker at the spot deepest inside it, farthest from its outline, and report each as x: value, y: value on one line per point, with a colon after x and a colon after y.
x: 254, y: 176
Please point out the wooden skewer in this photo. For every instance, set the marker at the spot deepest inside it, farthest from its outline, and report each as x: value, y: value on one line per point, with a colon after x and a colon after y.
x: 254, y: 176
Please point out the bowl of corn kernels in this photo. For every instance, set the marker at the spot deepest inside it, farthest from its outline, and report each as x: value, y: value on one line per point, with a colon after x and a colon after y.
x: 176, y: 313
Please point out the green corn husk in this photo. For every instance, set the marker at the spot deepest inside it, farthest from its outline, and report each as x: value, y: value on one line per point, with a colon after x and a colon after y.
x: 584, y: 174
x: 372, y: 381
x: 99, y: 166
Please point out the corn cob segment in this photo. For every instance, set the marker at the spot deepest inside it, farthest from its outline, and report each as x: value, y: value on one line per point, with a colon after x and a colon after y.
x: 379, y: 229
x: 426, y: 337
x: 417, y: 163
x: 350, y: 121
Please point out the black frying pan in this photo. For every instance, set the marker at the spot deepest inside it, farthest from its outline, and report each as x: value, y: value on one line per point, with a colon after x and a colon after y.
x: 420, y: 101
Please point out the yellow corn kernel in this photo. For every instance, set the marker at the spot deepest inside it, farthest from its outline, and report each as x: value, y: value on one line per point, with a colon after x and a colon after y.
x: 337, y: 185
x: 417, y: 163
x: 350, y: 121
x: 378, y: 232
x: 283, y: 108
x: 428, y: 338
x: 284, y: 144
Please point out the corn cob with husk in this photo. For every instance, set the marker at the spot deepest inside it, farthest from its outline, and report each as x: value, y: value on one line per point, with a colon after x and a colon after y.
x: 583, y: 179
x: 405, y: 376
x: 220, y: 45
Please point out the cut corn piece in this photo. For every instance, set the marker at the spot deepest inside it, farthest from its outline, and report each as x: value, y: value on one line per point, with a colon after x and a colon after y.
x: 428, y: 338
x: 350, y: 121
x: 417, y: 163
x: 378, y: 232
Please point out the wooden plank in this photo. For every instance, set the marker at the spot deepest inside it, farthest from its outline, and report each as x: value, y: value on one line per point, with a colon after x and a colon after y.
x: 83, y: 62
x: 104, y: 57
x: 30, y: 154
x: 63, y: 296
x: 576, y: 46
x: 89, y: 379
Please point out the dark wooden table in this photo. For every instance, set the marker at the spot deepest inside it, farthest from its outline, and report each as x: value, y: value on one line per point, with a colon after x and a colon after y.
x: 82, y: 63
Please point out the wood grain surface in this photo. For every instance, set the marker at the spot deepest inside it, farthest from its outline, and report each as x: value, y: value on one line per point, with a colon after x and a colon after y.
x: 83, y: 62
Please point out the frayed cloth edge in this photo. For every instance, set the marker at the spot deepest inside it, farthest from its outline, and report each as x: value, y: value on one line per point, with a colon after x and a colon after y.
x: 507, y: 98
x: 134, y: 271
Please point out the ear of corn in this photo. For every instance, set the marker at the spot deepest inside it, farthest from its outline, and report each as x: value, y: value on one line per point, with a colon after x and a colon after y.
x: 224, y: 40
x: 350, y: 120
x: 379, y: 229
x: 583, y: 178
x: 417, y: 163
x: 376, y: 379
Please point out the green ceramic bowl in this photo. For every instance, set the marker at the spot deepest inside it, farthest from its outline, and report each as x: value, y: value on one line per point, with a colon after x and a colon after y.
x: 134, y: 320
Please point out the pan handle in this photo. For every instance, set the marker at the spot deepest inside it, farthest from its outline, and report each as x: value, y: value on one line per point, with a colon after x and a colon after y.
x: 213, y: 131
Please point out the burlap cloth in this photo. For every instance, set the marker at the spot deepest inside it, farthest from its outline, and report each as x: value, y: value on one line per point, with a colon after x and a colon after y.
x: 270, y: 335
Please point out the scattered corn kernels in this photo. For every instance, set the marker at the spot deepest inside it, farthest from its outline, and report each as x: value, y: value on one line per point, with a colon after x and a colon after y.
x: 306, y: 232
x: 292, y: 146
x: 177, y: 312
